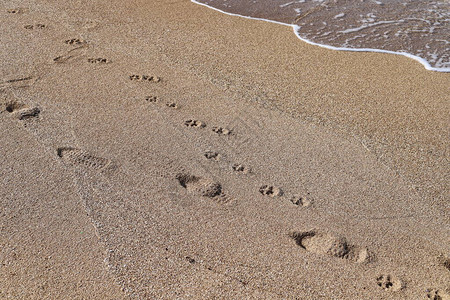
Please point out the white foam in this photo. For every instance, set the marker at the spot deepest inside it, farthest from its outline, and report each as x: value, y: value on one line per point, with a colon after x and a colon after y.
x: 296, y: 32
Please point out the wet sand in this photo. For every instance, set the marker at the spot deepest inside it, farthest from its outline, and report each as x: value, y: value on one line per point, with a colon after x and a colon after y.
x: 160, y: 150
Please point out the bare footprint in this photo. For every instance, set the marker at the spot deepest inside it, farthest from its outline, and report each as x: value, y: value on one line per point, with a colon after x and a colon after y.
x: 329, y: 244
x: 144, y: 78
x: 212, y: 155
x: 78, y: 157
x: 271, y: 191
x: 200, y: 186
x: 389, y: 283
x: 435, y: 294
x: 221, y: 131
x: 75, y: 42
x: 194, y: 123
x: 98, y: 60
x: 241, y: 168
x: 35, y: 26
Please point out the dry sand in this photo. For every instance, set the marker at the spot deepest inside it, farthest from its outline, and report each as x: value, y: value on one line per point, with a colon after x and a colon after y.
x: 162, y: 150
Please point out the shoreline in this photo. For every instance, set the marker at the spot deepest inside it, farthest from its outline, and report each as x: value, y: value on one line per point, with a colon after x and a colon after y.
x: 295, y: 28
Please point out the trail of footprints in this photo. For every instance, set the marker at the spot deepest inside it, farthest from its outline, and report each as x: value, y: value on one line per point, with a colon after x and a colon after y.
x: 78, y: 51
x: 266, y: 190
x: 316, y: 242
x: 155, y: 99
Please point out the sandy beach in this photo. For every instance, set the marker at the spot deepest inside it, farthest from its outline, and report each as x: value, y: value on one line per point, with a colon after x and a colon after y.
x: 164, y: 150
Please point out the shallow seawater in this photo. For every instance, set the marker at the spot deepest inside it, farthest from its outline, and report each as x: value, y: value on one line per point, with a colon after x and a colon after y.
x: 416, y: 28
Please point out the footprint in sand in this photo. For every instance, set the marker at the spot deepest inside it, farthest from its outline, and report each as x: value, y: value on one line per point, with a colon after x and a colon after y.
x: 435, y: 294
x: 98, y: 60
x: 389, y: 283
x: 15, y: 11
x: 35, y: 26
x: 332, y: 245
x: 221, y: 131
x: 304, y: 201
x: 444, y: 261
x: 70, y: 55
x: 75, y: 42
x: 172, y: 105
x: 212, y: 155
x: 200, y: 186
x: 144, y: 78
x: 268, y: 190
x: 241, y: 168
x: 194, y: 123
x: 152, y: 99
x: 21, y: 111
x: 205, y: 187
x: 78, y: 157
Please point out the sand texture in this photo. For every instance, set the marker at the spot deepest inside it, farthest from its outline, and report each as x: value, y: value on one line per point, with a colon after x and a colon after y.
x: 163, y: 150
